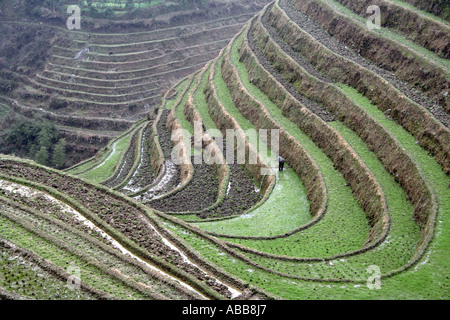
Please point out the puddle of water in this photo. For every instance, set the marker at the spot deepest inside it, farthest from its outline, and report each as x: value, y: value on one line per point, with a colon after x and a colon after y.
x: 152, y: 194
x: 229, y: 188
x: 109, y: 157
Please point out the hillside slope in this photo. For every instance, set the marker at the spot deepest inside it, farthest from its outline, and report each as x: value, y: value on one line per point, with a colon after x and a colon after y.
x: 361, y: 210
x: 95, y: 82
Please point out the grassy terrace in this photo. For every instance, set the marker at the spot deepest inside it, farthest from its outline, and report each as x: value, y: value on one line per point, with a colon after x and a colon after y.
x: 101, y: 157
x: 288, y: 188
x: 200, y: 101
x: 343, y: 212
x: 95, y: 103
x: 403, y: 226
x: 86, y: 165
x: 124, y: 211
x: 179, y: 111
x: 201, y: 106
x: 422, y: 281
x: 17, y: 275
x: 395, y: 36
x: 104, y: 170
x: 62, y: 258
x: 419, y: 11
x: 224, y: 96
x: 86, y: 88
x: 178, y: 88
x: 376, y: 181
x: 432, y: 40
x: 287, y: 210
x: 386, y: 92
x: 63, y: 232
x: 404, y: 233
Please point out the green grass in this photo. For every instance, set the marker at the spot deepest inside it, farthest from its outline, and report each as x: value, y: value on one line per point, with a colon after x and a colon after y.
x: 179, y: 88
x: 100, y: 157
x: 289, y: 189
x: 25, y: 278
x: 427, y: 280
x: 286, y: 209
x: 404, y: 233
x: 289, y: 186
x: 224, y: 96
x: 433, y: 274
x: 49, y: 251
x: 179, y: 111
x: 408, y: 286
x: 343, y: 213
x: 106, y: 169
x: 83, y: 167
x: 201, y: 104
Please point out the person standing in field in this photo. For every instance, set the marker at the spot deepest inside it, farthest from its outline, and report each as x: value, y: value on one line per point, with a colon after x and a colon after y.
x: 280, y: 163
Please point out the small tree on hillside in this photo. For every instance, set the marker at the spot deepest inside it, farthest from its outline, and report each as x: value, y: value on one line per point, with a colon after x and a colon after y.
x: 42, y: 156
x: 59, y: 154
x: 44, y: 138
x: 129, y: 5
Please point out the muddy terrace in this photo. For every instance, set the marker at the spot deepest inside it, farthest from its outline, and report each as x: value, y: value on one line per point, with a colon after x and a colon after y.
x: 363, y: 120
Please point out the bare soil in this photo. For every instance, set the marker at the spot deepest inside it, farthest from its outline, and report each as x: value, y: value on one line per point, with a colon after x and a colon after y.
x: 145, y: 173
x: 115, y: 212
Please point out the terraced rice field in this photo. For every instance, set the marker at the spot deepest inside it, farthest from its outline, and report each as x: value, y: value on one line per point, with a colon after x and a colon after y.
x: 366, y: 186
x: 95, y: 84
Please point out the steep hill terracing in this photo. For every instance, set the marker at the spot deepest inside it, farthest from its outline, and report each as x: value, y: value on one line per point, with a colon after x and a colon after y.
x: 360, y: 212
x: 95, y: 82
